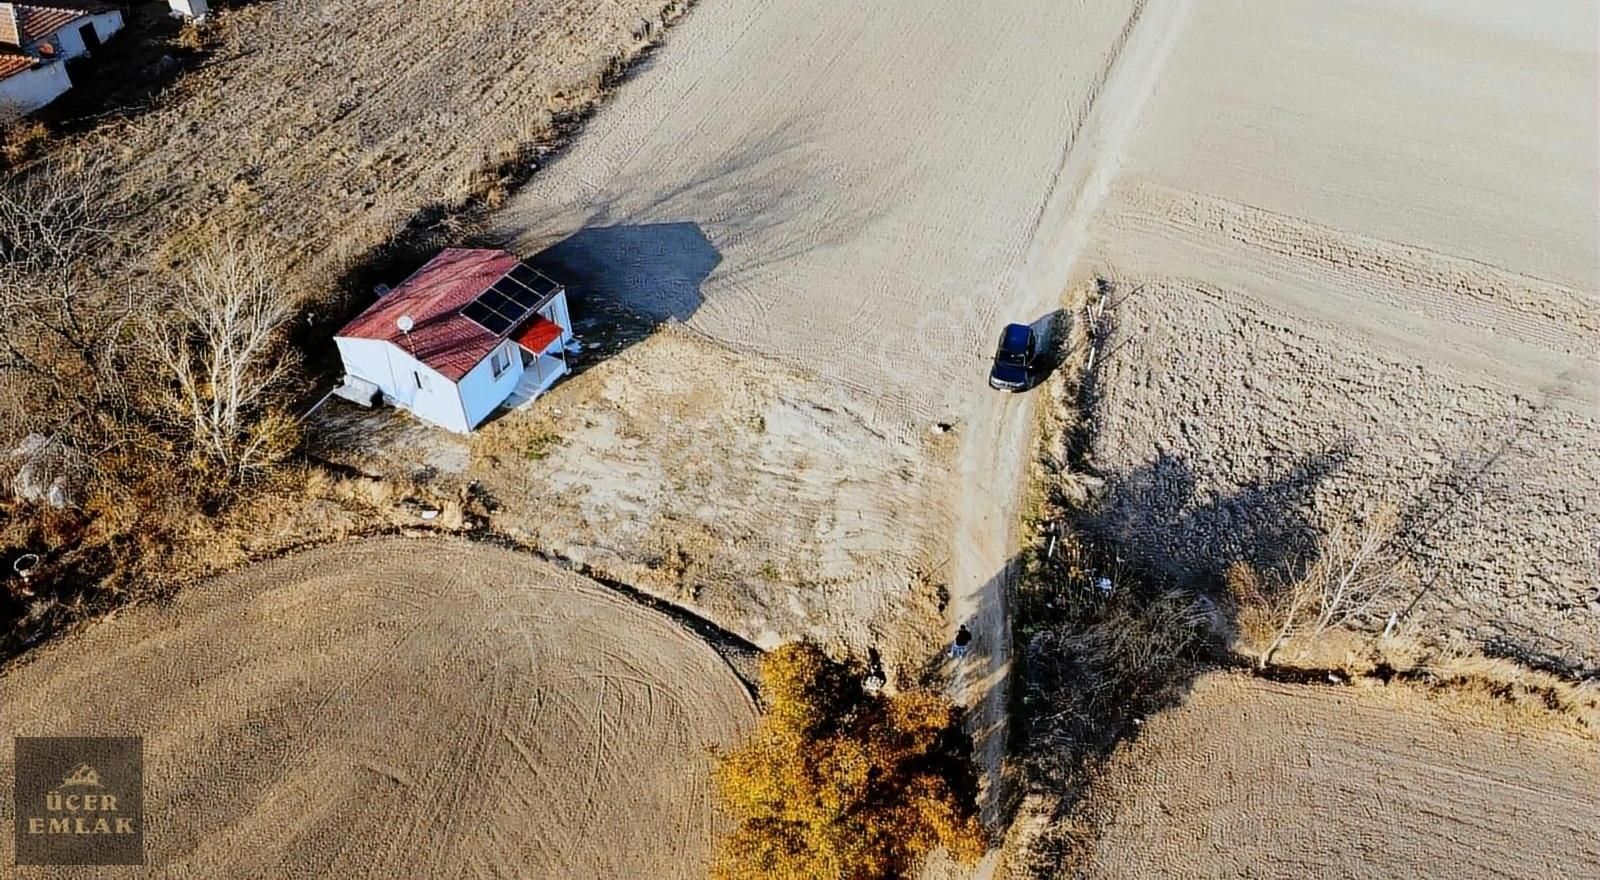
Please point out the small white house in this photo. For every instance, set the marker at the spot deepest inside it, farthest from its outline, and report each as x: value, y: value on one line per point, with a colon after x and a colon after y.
x: 193, y: 9
x: 469, y: 332
x: 64, y: 29
x: 28, y: 83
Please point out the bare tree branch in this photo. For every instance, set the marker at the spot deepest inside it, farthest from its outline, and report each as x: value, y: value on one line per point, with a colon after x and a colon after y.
x: 218, y: 336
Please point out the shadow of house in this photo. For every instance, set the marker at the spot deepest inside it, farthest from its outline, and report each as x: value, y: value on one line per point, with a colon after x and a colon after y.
x: 625, y: 281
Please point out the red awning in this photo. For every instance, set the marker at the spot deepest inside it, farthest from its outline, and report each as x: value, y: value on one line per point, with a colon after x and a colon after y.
x: 536, y: 335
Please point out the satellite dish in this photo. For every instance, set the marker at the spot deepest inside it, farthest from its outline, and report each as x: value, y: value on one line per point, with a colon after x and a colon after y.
x: 405, y: 323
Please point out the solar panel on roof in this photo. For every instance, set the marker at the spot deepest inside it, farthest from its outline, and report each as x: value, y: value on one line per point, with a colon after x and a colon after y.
x: 523, y: 275
x: 478, y: 312
x: 510, y: 300
x: 508, y: 288
x: 543, y: 285
x: 497, y: 324
x: 501, y: 303
x: 526, y: 298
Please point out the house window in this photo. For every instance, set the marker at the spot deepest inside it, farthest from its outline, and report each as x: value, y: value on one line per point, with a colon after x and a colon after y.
x: 422, y: 381
x: 499, y: 361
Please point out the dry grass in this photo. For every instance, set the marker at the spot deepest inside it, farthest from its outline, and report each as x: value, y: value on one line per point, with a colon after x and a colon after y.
x: 334, y: 163
x: 23, y: 140
x: 338, y: 131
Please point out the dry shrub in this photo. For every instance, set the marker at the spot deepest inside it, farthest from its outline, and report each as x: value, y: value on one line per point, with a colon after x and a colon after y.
x: 198, y: 37
x: 23, y: 139
x: 159, y: 410
x: 1255, y: 615
x: 1354, y: 570
x: 839, y: 783
x: 1099, y: 661
x: 216, y: 342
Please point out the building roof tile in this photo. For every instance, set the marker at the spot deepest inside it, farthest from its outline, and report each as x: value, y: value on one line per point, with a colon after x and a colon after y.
x: 433, y: 298
x: 24, y: 23
x: 13, y: 62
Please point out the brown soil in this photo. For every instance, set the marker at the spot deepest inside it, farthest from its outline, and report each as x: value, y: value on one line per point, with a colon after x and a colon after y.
x: 323, y: 129
x: 398, y: 708
x: 1337, y: 286
x: 1254, y: 779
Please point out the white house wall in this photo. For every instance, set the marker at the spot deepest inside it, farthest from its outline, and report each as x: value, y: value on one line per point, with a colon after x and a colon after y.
x: 481, y: 392
x: 25, y: 92
x: 556, y: 310
x: 69, y: 40
x: 189, y: 8
x: 395, y: 371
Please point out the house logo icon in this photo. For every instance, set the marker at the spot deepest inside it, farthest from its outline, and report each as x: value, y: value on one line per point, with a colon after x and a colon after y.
x: 82, y: 774
x: 79, y: 800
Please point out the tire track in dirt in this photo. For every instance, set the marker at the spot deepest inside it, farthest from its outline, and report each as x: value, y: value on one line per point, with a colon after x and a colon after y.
x: 490, y: 763
x: 1348, y: 287
x: 1251, y: 778
x: 993, y: 463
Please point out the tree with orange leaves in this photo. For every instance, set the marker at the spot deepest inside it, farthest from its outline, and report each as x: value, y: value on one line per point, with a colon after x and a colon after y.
x: 840, y: 784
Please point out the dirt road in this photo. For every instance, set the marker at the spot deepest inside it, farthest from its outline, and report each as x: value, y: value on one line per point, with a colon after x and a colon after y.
x: 875, y: 190
x: 418, y: 708
x: 1249, y: 778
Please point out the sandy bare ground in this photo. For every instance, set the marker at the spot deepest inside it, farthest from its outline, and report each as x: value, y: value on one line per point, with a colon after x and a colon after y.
x: 1253, y: 779
x: 1339, y: 284
x: 629, y: 468
x: 880, y: 188
x: 418, y: 708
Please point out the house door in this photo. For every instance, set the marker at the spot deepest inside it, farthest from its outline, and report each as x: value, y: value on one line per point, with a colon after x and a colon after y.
x: 91, y: 40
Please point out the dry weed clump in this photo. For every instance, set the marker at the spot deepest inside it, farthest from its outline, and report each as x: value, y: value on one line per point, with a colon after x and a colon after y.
x: 1355, y: 569
x: 838, y: 783
x: 1095, y: 660
x: 1456, y: 672
x: 22, y: 140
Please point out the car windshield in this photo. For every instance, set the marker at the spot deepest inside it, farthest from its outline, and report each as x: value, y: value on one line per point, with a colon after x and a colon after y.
x: 1013, y: 345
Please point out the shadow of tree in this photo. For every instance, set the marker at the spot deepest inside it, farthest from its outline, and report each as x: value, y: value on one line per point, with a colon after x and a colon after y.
x: 1159, y: 521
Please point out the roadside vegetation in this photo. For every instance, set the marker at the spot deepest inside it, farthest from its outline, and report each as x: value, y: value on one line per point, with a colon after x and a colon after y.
x: 838, y: 783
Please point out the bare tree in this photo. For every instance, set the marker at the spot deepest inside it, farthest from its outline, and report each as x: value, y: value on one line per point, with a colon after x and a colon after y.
x: 1355, y: 569
x: 218, y: 336
x: 60, y: 320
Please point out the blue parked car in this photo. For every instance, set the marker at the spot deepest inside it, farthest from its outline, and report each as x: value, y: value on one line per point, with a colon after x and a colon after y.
x: 1013, y: 359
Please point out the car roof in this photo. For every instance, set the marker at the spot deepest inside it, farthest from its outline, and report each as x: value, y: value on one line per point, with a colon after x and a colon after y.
x: 1016, y: 337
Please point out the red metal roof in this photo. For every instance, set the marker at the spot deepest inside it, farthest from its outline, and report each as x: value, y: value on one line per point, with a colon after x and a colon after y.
x: 433, y: 297
x: 537, y: 334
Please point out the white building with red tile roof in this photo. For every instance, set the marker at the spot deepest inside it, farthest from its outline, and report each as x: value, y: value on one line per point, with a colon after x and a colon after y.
x: 36, y: 41
x: 464, y: 334
x: 65, y: 29
x: 28, y: 82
